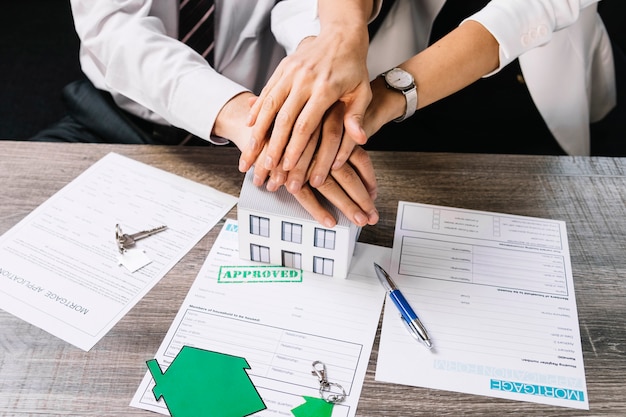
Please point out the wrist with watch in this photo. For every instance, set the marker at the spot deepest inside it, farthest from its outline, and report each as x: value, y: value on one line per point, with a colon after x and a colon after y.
x: 403, y: 82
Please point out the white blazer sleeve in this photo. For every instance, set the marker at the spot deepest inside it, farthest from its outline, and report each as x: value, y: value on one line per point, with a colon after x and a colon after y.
x: 521, y: 25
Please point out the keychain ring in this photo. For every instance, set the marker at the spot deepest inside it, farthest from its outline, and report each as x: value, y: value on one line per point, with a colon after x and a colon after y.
x: 330, y: 397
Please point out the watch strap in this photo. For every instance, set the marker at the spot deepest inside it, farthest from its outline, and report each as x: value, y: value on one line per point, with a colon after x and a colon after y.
x: 411, y: 103
x: 410, y: 95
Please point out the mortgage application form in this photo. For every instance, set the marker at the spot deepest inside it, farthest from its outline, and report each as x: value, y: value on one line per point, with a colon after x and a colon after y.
x: 281, y: 321
x: 496, y: 294
x: 60, y: 267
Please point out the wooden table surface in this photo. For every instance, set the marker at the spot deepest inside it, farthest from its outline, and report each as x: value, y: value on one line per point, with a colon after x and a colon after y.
x: 41, y: 375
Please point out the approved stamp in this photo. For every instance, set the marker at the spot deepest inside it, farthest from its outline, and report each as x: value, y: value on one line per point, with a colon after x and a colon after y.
x: 256, y: 274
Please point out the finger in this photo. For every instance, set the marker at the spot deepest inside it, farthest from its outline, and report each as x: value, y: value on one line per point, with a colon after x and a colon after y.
x: 362, y: 164
x: 308, y: 200
x: 340, y: 199
x: 282, y: 130
x: 358, y: 192
x: 308, y: 119
x: 343, y: 154
x: 246, y: 154
x: 258, y: 104
x: 250, y: 153
x: 247, y: 157
x: 355, y: 113
x: 300, y: 173
x: 277, y: 178
x: 263, y: 128
x: 260, y: 173
x: 268, y: 108
x: 332, y: 131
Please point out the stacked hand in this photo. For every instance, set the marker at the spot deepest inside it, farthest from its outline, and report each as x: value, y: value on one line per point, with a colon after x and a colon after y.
x: 307, y: 122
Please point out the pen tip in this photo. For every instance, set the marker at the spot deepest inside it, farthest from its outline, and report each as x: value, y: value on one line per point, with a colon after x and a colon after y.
x: 428, y: 344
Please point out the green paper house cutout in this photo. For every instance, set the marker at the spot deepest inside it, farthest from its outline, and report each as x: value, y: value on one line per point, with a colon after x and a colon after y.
x: 313, y: 407
x: 203, y: 383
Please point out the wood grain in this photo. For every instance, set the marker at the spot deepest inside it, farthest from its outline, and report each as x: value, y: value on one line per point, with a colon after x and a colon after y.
x: 42, y: 375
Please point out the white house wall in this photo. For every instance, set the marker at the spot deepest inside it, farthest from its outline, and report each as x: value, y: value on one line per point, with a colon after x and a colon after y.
x: 282, y: 206
x: 341, y: 255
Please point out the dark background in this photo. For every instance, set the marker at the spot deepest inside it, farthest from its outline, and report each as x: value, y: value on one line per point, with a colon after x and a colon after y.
x: 39, y: 55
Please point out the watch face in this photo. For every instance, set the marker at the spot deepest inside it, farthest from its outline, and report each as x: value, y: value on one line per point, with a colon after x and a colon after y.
x: 399, y: 78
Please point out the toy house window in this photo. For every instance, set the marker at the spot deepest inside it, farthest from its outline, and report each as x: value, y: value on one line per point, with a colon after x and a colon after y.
x: 324, y: 238
x: 292, y: 232
x: 260, y: 226
x: 259, y: 253
x: 292, y: 259
x: 323, y: 265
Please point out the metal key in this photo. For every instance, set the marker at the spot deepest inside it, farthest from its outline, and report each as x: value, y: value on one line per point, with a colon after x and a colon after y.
x: 125, y: 241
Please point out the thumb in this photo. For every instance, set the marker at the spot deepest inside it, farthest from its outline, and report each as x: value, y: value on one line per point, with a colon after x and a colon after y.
x: 355, y: 114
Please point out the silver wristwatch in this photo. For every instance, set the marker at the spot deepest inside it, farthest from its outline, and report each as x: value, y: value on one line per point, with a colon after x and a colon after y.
x: 402, y: 81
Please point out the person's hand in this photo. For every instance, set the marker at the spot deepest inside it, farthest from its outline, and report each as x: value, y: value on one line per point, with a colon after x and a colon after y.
x: 322, y: 71
x: 357, y: 181
x: 230, y: 122
x: 316, y: 162
x: 351, y: 188
x: 336, y: 145
x: 386, y: 105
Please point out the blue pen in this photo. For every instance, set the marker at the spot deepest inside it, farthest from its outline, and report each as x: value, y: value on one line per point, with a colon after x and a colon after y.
x: 410, y: 319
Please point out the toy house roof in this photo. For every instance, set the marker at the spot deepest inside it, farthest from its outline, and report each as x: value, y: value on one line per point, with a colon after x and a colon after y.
x: 281, y: 203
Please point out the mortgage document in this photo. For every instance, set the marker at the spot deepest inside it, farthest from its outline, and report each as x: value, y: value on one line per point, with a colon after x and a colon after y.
x: 281, y: 321
x: 496, y: 294
x: 60, y: 267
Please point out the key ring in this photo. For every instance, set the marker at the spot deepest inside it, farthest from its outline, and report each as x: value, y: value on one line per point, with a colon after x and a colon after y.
x: 319, y: 370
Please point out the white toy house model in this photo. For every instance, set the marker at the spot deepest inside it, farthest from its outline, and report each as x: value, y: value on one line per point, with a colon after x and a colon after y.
x: 275, y: 229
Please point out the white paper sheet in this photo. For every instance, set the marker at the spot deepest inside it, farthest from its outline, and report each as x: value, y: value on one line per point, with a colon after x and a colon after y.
x: 280, y: 328
x: 59, y: 267
x: 496, y: 293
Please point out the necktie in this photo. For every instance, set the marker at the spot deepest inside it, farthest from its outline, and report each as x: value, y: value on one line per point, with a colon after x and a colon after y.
x: 197, y: 26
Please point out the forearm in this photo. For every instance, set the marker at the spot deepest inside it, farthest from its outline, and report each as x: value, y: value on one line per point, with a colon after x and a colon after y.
x: 451, y: 64
x: 482, y: 44
x: 332, y: 14
x: 454, y: 62
x: 350, y: 31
